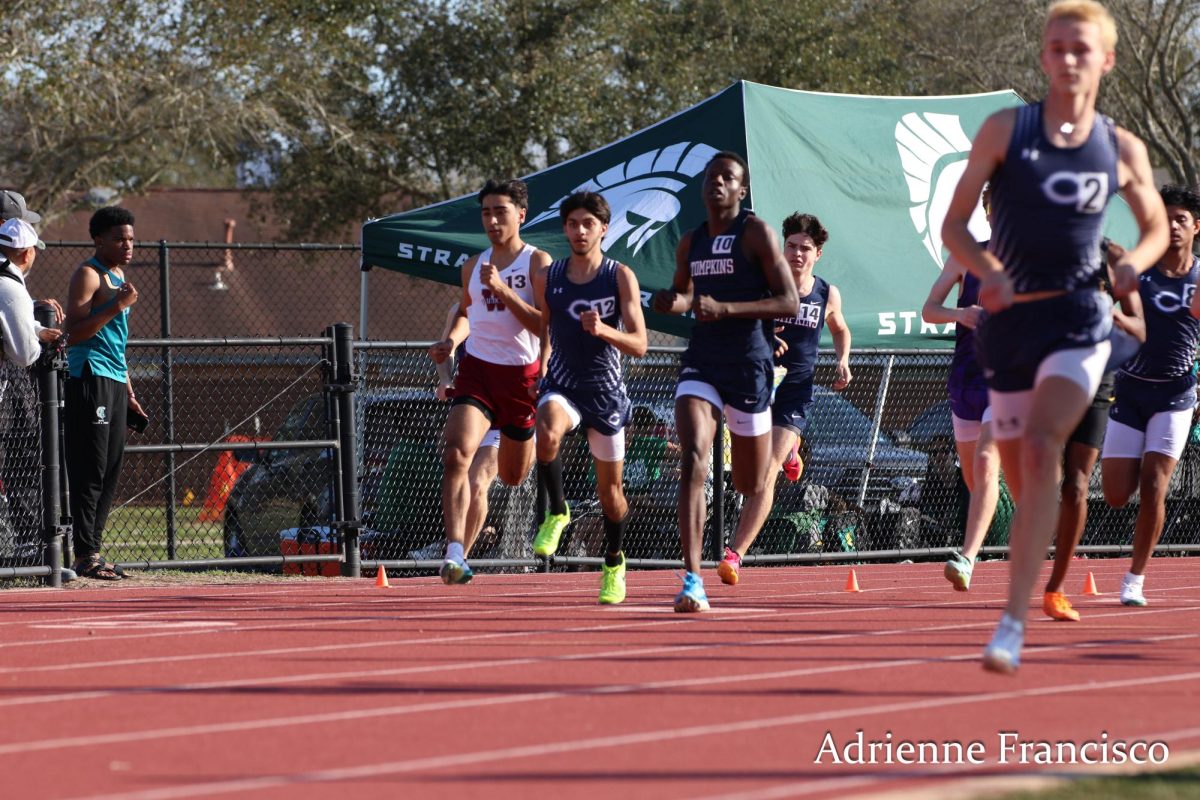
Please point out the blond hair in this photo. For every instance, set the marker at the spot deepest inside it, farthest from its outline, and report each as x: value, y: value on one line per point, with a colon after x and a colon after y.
x: 1086, y: 11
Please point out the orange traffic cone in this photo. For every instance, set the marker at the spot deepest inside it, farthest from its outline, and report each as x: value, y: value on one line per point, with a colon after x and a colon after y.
x: 1089, y: 586
x: 852, y: 582
x: 381, y: 581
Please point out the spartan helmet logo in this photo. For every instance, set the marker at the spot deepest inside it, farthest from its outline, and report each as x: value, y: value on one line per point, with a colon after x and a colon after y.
x: 933, y: 152
x: 643, y: 192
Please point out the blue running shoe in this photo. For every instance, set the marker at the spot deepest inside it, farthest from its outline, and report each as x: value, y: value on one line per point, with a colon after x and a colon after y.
x: 456, y: 572
x: 691, y: 597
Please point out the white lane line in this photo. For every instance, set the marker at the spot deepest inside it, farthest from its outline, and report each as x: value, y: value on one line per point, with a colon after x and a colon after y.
x: 458, y: 665
x: 723, y: 729
x: 142, y: 624
x: 258, y: 609
x: 395, y: 710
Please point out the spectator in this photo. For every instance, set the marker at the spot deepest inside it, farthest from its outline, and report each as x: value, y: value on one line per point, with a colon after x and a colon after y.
x: 23, y: 338
x: 99, y: 395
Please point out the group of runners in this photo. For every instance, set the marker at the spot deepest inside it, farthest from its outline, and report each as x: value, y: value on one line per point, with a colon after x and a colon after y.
x: 1041, y: 350
x: 539, y: 348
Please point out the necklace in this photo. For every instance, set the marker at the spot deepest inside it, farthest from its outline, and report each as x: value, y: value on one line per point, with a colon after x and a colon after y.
x: 1067, y: 128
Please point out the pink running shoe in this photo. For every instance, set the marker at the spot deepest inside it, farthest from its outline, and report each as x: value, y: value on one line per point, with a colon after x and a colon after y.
x: 727, y: 570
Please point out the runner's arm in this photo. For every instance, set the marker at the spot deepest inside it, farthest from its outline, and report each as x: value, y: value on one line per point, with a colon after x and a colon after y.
x: 935, y: 309
x: 987, y: 154
x: 678, y: 298
x: 836, y: 322
x: 632, y: 340
x: 543, y: 332
x: 1137, y: 188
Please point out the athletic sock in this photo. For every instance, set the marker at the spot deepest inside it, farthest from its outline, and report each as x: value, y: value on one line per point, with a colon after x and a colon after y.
x: 1133, y: 580
x: 454, y: 552
x: 552, y: 478
x: 614, y: 535
x: 1008, y: 620
x: 543, y: 499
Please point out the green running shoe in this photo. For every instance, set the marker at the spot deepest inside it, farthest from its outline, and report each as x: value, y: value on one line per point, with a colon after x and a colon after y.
x: 549, y: 532
x: 612, y: 583
x: 958, y: 571
x: 455, y: 572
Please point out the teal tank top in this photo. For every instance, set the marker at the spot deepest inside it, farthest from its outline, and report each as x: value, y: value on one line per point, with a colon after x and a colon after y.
x: 105, y: 351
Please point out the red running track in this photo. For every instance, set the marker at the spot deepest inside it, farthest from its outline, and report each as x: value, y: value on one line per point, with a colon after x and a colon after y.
x: 521, y: 686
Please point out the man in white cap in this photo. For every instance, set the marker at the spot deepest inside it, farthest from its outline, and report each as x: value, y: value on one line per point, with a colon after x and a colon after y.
x: 22, y: 344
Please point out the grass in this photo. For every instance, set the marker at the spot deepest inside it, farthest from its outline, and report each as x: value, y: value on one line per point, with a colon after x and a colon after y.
x: 139, y: 533
x: 1175, y: 784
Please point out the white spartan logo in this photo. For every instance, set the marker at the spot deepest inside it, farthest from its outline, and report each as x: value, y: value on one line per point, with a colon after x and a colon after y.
x: 933, y: 152
x: 642, y: 192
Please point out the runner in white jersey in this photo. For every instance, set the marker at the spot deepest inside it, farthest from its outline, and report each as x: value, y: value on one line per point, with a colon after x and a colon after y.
x: 496, y: 382
x: 484, y: 465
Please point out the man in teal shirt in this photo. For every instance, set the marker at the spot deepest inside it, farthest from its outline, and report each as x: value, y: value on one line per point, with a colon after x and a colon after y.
x: 99, y: 395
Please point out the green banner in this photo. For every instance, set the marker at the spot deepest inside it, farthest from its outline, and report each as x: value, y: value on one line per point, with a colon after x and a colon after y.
x: 878, y: 171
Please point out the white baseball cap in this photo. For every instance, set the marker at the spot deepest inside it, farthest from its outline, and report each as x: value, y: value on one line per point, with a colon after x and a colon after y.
x: 19, y: 235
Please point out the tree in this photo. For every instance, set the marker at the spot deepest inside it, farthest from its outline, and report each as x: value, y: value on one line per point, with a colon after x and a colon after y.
x: 127, y: 94
x: 1153, y: 91
x: 448, y: 94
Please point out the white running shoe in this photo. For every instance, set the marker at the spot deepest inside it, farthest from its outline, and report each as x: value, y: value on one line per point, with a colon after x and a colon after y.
x: 1003, y: 653
x: 1131, y: 594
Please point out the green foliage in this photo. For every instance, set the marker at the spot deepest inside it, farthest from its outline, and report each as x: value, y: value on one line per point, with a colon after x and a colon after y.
x: 347, y: 109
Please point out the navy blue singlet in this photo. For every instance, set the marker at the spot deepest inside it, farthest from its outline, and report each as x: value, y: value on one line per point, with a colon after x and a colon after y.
x: 579, y: 360
x: 802, y: 332
x: 721, y: 270
x: 1048, y: 205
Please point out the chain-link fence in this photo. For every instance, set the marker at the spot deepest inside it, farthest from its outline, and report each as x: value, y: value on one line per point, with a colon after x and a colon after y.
x: 219, y: 502
x: 881, y: 475
x: 20, y: 468
x: 198, y: 290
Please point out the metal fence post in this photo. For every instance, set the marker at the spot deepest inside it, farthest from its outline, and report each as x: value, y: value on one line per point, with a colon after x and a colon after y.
x: 168, y: 394
x: 46, y: 372
x: 343, y: 345
x: 876, y: 425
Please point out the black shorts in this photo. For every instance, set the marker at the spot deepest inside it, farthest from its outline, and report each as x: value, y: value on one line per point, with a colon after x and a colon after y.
x: 1090, y: 430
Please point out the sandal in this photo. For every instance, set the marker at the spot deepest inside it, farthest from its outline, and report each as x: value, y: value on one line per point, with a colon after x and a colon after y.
x: 97, y: 568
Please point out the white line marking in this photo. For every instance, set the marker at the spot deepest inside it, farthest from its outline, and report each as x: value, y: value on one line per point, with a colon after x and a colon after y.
x: 723, y: 729
x: 144, y: 624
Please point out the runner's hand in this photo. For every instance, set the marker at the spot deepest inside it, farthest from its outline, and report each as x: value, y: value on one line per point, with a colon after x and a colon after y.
x: 662, y: 300
x: 440, y: 351
x: 489, y: 276
x: 970, y: 316
x: 127, y: 295
x: 591, y: 322
x: 781, y: 346
x: 1124, y: 280
x: 996, y: 292
x: 706, y: 309
x: 843, y: 376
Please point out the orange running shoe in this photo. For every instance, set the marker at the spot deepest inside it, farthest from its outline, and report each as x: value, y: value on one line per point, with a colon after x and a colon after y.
x: 1057, y: 606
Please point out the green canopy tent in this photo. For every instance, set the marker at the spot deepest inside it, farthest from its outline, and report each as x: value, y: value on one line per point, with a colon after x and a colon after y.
x: 878, y: 171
